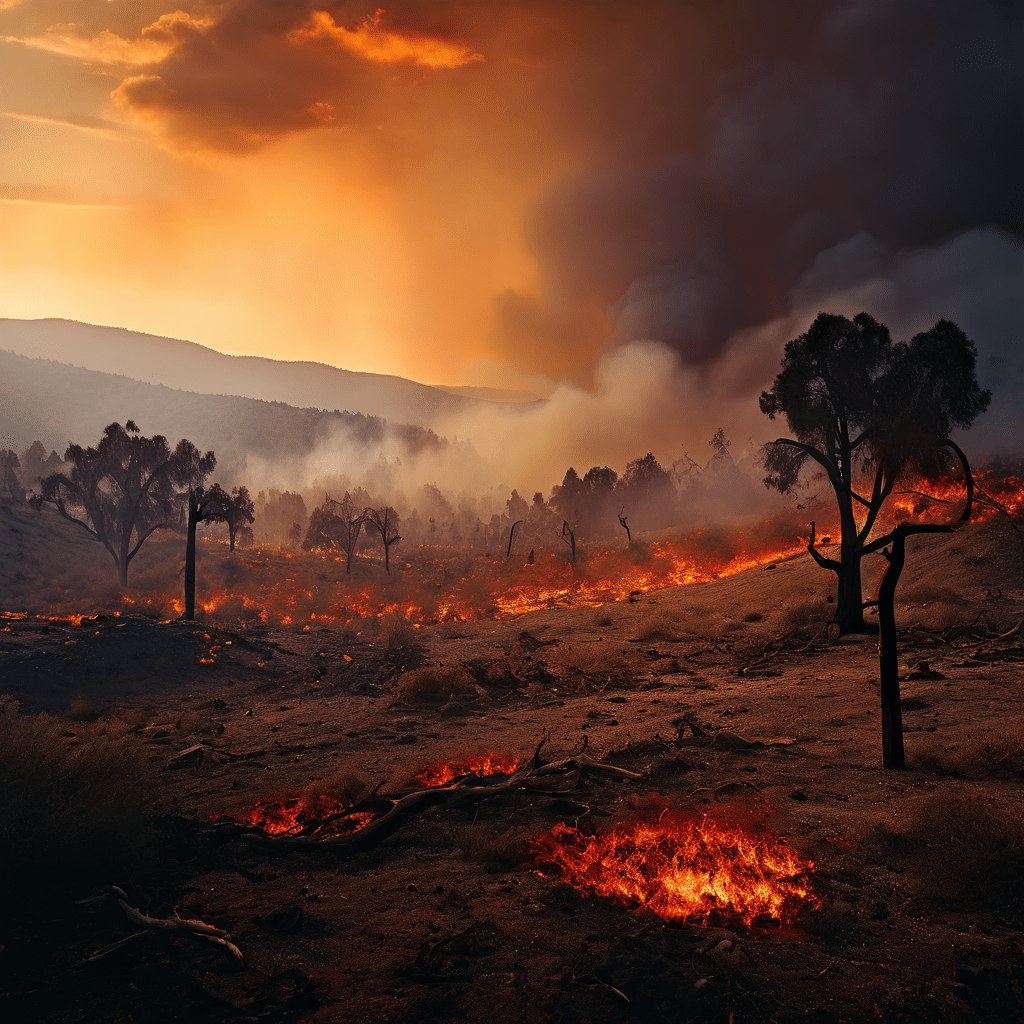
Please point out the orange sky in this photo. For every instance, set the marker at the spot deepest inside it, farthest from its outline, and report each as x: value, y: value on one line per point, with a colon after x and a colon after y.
x: 273, y: 179
x: 499, y: 192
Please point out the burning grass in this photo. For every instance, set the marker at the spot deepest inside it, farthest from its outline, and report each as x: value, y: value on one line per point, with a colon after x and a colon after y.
x: 481, y: 764
x: 292, y: 812
x: 73, y: 795
x: 682, y: 869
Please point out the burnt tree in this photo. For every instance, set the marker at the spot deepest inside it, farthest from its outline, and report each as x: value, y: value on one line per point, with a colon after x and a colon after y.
x: 511, y: 535
x: 893, y: 548
x: 350, y: 525
x: 862, y: 406
x: 126, y: 488
x: 385, y: 522
x: 569, y: 537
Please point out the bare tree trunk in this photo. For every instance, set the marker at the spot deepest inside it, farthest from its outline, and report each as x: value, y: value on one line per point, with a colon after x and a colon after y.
x: 888, y: 664
x: 511, y: 534
x: 190, y: 559
x: 849, y: 600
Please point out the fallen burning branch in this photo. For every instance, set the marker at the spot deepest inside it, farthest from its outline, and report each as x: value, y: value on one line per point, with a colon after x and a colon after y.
x: 200, y: 929
x: 390, y: 813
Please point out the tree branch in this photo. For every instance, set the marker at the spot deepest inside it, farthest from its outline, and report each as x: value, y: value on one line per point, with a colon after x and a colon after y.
x: 825, y: 563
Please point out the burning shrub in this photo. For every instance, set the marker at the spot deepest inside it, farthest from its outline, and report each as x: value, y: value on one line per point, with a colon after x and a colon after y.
x: 436, y: 684
x: 70, y: 797
x: 479, y: 764
x: 284, y: 813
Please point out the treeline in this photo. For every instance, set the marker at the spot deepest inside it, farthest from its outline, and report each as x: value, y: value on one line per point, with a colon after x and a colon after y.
x: 594, y: 507
x: 20, y: 475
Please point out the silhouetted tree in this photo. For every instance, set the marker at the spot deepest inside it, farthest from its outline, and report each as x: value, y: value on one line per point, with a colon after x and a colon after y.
x: 385, y: 522
x: 567, y: 497
x: 125, y: 488
x: 236, y: 509
x: 569, y: 537
x: 276, y: 513
x: 625, y: 526
x: 295, y: 535
x: 204, y: 506
x: 648, y: 490
x: 346, y: 524
x: 10, y: 483
x: 240, y: 513
x: 35, y: 464
x: 893, y: 548
x: 858, y: 402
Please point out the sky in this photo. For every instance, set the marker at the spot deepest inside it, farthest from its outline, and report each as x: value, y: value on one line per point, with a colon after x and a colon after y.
x: 628, y: 206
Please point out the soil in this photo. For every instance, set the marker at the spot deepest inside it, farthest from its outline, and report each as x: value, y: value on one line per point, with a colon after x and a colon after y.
x: 448, y: 918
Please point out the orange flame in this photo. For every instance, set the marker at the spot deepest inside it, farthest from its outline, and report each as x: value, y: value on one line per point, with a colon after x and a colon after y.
x: 476, y: 764
x: 682, y: 870
x: 292, y: 812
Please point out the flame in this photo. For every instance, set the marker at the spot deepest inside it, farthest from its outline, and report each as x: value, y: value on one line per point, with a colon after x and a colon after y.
x: 441, y: 585
x: 292, y: 812
x: 476, y: 764
x: 682, y: 869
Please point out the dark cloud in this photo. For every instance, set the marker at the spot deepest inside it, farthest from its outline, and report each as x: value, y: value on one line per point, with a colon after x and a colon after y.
x: 882, y: 119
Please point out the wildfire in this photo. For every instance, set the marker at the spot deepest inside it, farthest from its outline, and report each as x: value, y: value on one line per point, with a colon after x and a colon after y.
x: 294, y: 812
x: 476, y: 764
x: 681, y: 869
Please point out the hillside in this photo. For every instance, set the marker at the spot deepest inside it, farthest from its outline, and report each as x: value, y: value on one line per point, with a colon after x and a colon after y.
x: 57, y: 403
x: 194, y: 368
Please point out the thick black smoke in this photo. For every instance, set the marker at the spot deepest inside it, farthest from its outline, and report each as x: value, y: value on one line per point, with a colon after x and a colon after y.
x: 751, y: 138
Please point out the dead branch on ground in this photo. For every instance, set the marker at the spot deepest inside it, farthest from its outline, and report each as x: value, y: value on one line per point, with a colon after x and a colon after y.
x: 533, y: 776
x: 200, y: 929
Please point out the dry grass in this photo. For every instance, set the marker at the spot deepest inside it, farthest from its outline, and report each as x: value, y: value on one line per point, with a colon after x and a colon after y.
x: 588, y: 659
x: 71, y: 796
x: 959, y: 845
x: 84, y: 710
x: 344, y: 787
x: 658, y: 627
x: 495, y: 851
x: 395, y: 629
x: 1001, y: 755
x: 930, y: 593
x: 435, y: 683
x: 808, y: 610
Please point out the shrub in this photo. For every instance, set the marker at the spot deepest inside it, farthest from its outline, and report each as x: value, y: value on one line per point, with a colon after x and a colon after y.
x: 70, y: 796
x: 395, y: 629
x: 435, y: 683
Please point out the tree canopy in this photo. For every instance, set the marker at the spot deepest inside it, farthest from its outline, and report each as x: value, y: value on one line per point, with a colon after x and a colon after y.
x: 125, y: 488
x: 864, y: 407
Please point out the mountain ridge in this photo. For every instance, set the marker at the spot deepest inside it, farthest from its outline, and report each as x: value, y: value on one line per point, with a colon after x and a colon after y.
x: 189, y: 366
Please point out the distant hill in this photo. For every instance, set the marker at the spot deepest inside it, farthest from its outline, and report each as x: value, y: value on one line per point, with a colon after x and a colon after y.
x: 56, y: 403
x: 200, y: 370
